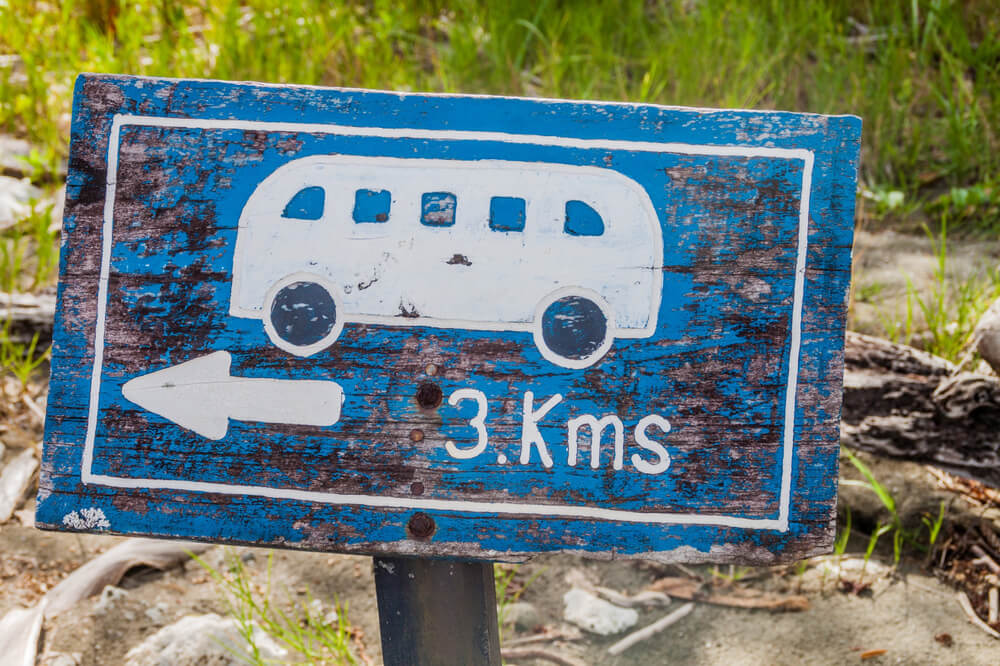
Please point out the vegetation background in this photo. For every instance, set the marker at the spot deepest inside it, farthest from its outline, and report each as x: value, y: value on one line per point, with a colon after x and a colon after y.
x: 923, y: 74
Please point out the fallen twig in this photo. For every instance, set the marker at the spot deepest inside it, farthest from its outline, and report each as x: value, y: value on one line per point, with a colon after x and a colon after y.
x: 108, y: 569
x: 651, y: 630
x: 685, y: 588
x: 538, y: 653
x: 33, y: 407
x: 982, y: 557
x: 963, y: 600
x: 994, y: 602
x: 644, y: 598
x: 543, y: 637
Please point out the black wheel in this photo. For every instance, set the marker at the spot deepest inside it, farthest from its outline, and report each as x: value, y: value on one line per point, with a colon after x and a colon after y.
x: 574, y: 330
x: 302, y: 317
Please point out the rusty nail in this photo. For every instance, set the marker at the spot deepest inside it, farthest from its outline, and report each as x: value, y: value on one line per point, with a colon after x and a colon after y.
x: 416, y: 435
x: 421, y: 526
x: 417, y: 488
x: 431, y: 369
x: 429, y: 395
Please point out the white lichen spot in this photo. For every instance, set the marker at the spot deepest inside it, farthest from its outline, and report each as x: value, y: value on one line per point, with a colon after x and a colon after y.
x: 88, y: 519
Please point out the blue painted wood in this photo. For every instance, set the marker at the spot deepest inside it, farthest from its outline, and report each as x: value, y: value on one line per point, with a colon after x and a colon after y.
x: 728, y: 405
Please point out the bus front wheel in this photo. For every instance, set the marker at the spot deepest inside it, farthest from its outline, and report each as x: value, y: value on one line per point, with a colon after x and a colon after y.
x: 573, y: 327
x: 302, y: 314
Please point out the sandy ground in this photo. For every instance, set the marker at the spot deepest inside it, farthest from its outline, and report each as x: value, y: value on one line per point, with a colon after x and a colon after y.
x: 906, y: 611
x: 888, y: 264
x: 901, y: 612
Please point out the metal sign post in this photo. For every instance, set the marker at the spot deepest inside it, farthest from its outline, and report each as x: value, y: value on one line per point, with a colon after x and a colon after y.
x: 436, y: 612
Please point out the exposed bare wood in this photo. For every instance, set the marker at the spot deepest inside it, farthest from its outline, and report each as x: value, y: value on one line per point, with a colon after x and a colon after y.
x: 987, y: 336
x: 108, y: 569
x: 905, y: 403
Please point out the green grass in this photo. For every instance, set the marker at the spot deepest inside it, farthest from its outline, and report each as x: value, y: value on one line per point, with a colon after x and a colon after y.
x: 902, y: 534
x: 947, y: 313
x: 509, y: 590
x: 923, y: 74
x: 294, y: 626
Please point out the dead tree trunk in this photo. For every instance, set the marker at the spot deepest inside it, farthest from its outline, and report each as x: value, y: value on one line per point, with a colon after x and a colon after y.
x: 905, y: 403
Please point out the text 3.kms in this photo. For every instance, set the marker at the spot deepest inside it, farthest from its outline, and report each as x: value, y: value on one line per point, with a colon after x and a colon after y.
x: 653, y: 458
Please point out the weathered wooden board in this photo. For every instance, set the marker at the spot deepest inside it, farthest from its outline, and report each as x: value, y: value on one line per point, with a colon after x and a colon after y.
x: 388, y: 323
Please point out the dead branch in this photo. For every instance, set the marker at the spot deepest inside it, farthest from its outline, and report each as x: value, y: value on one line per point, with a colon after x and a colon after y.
x: 904, y: 403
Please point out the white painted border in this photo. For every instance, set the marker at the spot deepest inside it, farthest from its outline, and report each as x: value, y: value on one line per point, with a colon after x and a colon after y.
x: 507, y: 508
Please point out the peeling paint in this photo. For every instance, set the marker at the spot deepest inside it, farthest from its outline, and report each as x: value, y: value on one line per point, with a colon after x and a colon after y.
x: 719, y: 366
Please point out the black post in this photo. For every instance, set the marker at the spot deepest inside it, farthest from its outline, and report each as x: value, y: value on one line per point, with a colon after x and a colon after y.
x: 437, y: 612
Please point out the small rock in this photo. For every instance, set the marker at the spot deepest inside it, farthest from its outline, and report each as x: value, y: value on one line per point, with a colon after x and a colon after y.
x: 109, y: 597
x: 521, y: 615
x: 14, y: 155
x: 332, y: 618
x: 26, y: 516
x: 202, y: 640
x: 157, y: 614
x: 16, y: 195
x: 596, y: 615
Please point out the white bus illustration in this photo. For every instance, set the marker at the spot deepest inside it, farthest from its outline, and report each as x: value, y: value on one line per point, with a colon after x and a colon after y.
x: 571, y: 254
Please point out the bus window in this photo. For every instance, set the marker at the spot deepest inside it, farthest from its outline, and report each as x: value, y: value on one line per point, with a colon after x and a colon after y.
x: 507, y: 214
x: 307, y: 204
x: 582, y: 220
x: 437, y: 209
x: 371, y: 206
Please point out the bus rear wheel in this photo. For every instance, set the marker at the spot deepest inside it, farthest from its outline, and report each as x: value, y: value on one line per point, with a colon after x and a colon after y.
x: 302, y: 314
x: 573, y: 327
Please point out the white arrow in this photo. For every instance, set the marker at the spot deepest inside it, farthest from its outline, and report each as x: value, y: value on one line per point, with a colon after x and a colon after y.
x: 200, y: 395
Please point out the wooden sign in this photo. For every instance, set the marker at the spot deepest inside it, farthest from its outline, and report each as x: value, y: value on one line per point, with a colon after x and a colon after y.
x: 449, y: 325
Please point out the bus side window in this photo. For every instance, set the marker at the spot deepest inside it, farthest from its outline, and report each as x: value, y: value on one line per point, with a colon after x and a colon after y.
x: 582, y: 220
x: 507, y: 214
x: 371, y: 206
x: 307, y: 204
x: 437, y: 209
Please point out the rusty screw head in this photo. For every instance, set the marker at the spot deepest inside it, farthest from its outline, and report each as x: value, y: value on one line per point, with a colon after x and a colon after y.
x: 429, y: 395
x: 421, y: 526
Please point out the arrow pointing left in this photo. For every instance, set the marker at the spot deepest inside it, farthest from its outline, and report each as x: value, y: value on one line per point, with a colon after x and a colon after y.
x: 200, y: 395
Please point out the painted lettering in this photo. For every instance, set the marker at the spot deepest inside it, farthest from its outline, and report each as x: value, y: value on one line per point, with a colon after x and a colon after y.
x: 478, y: 422
x: 596, y: 434
x: 643, y: 440
x: 530, y: 435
